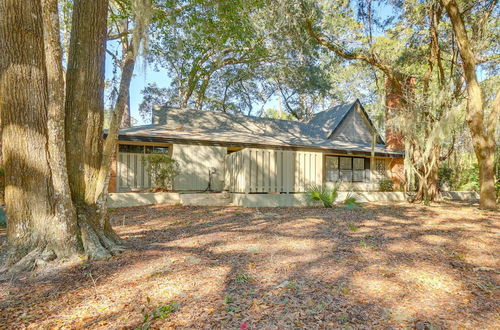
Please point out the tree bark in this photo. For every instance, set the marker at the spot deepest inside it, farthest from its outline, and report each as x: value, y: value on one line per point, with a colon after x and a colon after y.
x: 37, y: 228
x: 84, y: 126
x: 118, y: 113
x: 85, y: 97
x: 483, y: 134
x: 56, y: 116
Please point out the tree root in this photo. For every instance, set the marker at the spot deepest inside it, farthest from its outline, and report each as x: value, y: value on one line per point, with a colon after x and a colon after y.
x: 96, y: 240
x: 29, y: 262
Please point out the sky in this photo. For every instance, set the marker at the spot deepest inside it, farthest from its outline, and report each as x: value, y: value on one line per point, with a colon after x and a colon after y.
x: 144, y: 75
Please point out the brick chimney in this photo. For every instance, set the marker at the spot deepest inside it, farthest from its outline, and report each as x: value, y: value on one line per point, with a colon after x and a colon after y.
x: 394, y: 99
x: 158, y: 115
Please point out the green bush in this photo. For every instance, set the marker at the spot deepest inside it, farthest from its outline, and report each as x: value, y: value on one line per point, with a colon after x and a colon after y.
x: 162, y: 170
x: 469, y: 179
x: 445, y: 175
x: 351, y: 202
x: 327, y: 196
x: 386, y: 185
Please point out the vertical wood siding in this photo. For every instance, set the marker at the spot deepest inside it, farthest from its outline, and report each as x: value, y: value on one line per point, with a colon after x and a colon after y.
x: 266, y: 170
x: 195, y: 161
x: 131, y: 174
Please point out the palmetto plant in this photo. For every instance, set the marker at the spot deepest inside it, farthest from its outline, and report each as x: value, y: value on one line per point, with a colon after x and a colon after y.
x: 327, y: 196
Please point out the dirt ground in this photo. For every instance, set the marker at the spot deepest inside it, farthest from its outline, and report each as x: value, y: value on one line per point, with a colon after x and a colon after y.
x: 381, y: 266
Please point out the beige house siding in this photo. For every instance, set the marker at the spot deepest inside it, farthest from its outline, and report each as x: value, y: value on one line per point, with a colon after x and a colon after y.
x: 266, y: 170
x: 195, y: 162
x: 251, y: 170
x: 131, y: 174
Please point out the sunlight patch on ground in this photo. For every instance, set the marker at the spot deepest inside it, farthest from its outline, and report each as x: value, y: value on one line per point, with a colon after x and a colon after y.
x: 434, y: 239
x: 407, y: 247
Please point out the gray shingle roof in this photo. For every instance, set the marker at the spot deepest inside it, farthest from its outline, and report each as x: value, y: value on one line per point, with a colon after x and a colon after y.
x: 218, y: 127
x: 331, y: 118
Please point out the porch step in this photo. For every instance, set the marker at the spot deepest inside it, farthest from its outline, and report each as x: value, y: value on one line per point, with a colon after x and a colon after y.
x: 206, y: 199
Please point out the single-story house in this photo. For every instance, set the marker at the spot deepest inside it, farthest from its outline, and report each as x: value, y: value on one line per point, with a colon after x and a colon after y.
x: 243, y: 154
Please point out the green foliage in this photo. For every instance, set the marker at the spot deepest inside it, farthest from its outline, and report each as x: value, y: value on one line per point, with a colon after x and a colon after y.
x: 327, y: 196
x: 162, y: 170
x: 352, y: 227
x: 276, y: 114
x: 469, y: 179
x: 445, y: 174
x: 243, y: 278
x: 158, y: 313
x: 1, y: 171
x: 351, y: 202
x: 386, y: 185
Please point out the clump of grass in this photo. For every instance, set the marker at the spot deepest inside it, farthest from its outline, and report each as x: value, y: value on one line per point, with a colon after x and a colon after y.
x: 228, y: 300
x: 366, y: 244
x: 253, y: 249
x: 292, y: 285
x: 158, y: 313
x: 352, y: 227
x: 243, y: 278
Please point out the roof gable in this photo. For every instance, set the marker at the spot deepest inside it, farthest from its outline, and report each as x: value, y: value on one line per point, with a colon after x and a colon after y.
x: 331, y: 118
x: 347, y: 122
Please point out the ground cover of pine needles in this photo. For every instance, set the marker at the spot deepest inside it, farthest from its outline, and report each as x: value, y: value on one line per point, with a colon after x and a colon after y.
x: 378, y: 266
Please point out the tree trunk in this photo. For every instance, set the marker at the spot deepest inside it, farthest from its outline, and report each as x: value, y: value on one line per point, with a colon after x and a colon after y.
x: 118, y: 113
x: 56, y: 115
x: 85, y: 97
x: 37, y: 229
x: 84, y: 125
x: 483, y: 134
x: 428, y: 186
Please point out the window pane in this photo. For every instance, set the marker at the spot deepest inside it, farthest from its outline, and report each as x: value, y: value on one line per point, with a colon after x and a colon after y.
x: 359, y: 163
x: 358, y: 176
x: 154, y: 149
x: 332, y: 165
x: 346, y: 175
x: 345, y: 163
x: 130, y: 148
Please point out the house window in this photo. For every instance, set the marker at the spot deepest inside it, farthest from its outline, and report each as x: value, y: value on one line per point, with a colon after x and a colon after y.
x: 138, y: 149
x: 380, y: 166
x: 332, y: 169
x: 346, y: 169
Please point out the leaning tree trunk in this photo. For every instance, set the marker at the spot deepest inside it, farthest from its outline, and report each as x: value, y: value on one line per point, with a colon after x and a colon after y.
x: 483, y: 134
x: 36, y: 228
x: 84, y: 125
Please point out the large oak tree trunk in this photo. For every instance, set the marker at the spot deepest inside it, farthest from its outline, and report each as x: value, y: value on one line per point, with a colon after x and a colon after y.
x: 37, y: 227
x: 483, y: 134
x: 84, y: 126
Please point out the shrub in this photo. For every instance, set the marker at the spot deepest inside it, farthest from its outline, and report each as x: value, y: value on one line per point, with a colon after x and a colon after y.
x: 327, y: 196
x: 162, y: 170
x: 351, y: 202
x: 469, y: 179
x: 445, y: 175
x: 386, y: 185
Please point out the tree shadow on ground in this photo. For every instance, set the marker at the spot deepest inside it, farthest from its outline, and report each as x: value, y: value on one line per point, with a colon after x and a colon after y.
x: 379, y: 266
